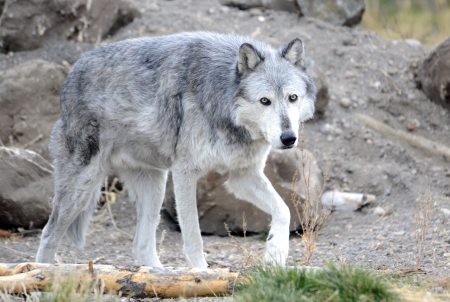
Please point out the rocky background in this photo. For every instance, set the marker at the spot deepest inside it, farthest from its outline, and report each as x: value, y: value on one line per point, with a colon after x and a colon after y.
x: 361, y: 77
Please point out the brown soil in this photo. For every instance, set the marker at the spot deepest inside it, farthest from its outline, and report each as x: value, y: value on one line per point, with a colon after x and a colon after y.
x: 361, y: 160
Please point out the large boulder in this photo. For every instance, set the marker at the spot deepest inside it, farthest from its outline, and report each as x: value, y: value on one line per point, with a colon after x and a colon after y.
x: 338, y: 12
x: 26, y: 189
x: 433, y: 75
x: 216, y: 205
x: 29, y: 104
x: 27, y: 23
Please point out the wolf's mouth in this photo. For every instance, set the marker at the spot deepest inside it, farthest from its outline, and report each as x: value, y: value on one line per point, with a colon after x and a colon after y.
x: 287, y: 147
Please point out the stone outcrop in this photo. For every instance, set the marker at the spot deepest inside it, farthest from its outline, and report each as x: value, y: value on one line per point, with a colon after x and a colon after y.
x: 26, y: 24
x: 29, y: 104
x: 26, y: 189
x: 337, y: 12
x: 433, y: 75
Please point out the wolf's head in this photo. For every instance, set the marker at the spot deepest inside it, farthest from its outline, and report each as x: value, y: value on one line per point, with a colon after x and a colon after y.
x: 275, y: 93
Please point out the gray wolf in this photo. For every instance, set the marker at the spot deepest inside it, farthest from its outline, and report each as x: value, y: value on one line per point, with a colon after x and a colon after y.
x: 189, y: 103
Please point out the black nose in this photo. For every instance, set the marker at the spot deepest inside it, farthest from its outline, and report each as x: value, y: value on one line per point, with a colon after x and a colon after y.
x: 288, y: 138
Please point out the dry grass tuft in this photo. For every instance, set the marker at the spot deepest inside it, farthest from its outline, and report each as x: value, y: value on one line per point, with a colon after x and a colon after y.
x: 312, y: 215
x: 246, y: 249
x: 424, y: 216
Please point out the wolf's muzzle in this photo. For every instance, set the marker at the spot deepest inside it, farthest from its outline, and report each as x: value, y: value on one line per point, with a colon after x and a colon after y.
x: 288, y: 138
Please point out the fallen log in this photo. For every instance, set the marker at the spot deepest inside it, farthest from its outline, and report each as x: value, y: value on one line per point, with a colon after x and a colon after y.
x: 414, y: 140
x: 168, y: 282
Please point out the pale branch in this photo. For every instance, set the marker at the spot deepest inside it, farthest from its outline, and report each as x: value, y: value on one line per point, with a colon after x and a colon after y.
x: 414, y: 140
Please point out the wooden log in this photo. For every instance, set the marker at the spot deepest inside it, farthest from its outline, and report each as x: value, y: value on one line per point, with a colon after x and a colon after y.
x: 414, y: 140
x: 169, y: 282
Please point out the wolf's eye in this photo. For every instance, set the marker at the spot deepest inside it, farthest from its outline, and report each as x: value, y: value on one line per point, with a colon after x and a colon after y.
x: 293, y: 97
x: 265, y: 101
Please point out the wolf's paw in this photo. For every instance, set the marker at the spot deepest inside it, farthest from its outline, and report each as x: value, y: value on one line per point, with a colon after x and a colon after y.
x: 277, y: 250
x: 197, y: 260
x: 155, y: 262
x: 147, y: 258
x: 45, y: 256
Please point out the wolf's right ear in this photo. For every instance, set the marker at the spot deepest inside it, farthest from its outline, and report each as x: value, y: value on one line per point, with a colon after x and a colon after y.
x: 249, y: 58
x: 294, y: 52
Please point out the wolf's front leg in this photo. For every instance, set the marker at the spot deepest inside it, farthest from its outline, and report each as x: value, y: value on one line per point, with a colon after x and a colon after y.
x: 253, y: 186
x: 185, y: 186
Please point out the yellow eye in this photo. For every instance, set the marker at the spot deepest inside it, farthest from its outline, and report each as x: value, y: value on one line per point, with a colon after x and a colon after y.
x: 265, y: 101
x: 293, y: 97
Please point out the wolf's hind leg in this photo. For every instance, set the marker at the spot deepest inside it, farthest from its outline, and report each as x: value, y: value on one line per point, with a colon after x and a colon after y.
x: 146, y: 189
x: 77, y: 191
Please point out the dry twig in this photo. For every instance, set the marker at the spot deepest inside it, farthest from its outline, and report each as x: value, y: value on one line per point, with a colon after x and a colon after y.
x: 110, y: 197
x: 33, y: 141
x: 17, y: 151
x: 245, y: 250
x: 161, y: 240
x: 5, y: 8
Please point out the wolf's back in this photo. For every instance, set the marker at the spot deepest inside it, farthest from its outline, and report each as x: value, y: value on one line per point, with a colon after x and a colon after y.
x: 118, y: 83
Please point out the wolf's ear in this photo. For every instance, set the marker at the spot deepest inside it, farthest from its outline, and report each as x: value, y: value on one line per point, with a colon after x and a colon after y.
x: 249, y: 58
x: 294, y: 52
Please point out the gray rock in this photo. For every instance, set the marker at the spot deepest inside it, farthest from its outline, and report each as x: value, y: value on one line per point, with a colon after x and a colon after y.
x: 446, y: 213
x: 338, y: 12
x: 412, y: 124
x: 379, y: 211
x: 216, y: 205
x: 326, y: 128
x: 413, y: 42
x: 345, y: 102
x: 29, y: 104
x: 433, y: 75
x: 26, y: 189
x: 27, y: 23
x: 438, y: 290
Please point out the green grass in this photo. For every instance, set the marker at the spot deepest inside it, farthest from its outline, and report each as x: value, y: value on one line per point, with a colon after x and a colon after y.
x: 331, y: 283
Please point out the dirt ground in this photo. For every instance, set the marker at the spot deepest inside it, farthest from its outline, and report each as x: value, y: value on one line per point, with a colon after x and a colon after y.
x: 361, y: 159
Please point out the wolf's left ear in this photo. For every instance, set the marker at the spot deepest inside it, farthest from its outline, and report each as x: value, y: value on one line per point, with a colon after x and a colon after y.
x: 294, y: 52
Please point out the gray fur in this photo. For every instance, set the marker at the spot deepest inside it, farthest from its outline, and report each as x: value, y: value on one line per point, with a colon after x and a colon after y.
x: 189, y: 103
